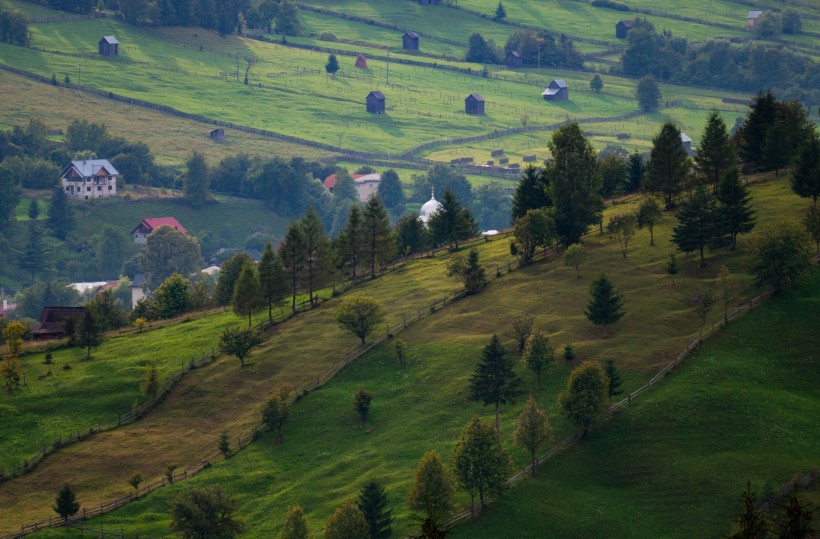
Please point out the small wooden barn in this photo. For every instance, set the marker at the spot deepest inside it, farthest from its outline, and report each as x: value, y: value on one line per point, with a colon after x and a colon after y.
x: 751, y: 19
x: 109, y: 46
x: 514, y: 59
x: 556, y: 91
x: 622, y: 28
x: 375, y: 102
x: 217, y: 134
x: 474, y: 104
x: 361, y: 62
x: 427, y: 2
x: 410, y: 41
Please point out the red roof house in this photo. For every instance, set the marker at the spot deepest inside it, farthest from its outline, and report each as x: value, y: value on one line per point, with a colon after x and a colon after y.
x: 330, y: 181
x: 150, y: 224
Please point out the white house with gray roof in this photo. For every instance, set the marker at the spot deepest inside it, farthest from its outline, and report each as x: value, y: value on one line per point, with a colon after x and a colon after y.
x: 89, y: 179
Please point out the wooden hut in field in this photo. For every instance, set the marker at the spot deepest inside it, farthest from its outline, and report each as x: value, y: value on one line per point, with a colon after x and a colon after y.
x: 751, y: 18
x: 109, y: 46
x: 427, y: 2
x: 361, y: 62
x: 556, y: 91
x: 622, y: 29
x: 217, y: 134
x: 514, y: 59
x: 375, y: 102
x: 410, y: 41
x: 474, y: 104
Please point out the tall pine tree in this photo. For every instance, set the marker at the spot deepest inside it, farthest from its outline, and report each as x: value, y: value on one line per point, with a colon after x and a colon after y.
x: 272, y: 278
x: 293, y: 258
x: 351, y: 242
x: 752, y: 134
x: 494, y: 381
x: 36, y: 256
x: 735, y: 213
x: 379, y: 242
x: 806, y: 177
x: 606, y: 306
x: 247, y: 293
x: 530, y: 193
x: 317, y: 254
x: 373, y: 504
x: 60, y: 217
x: 716, y: 152
x: 699, y: 224
x: 668, y: 168
x: 452, y: 223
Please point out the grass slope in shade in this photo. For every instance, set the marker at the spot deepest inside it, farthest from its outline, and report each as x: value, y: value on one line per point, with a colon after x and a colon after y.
x: 328, y: 454
x: 674, y: 464
x: 95, y: 391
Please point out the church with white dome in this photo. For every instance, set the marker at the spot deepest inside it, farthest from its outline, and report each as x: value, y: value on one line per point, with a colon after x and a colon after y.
x: 429, y: 208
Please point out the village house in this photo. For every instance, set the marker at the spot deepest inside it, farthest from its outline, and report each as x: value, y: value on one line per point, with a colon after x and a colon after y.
x: 146, y: 226
x: 89, y: 179
x: 137, y: 287
x: 375, y: 102
x: 410, y: 41
x: 52, y: 322
x: 474, y: 104
x: 109, y: 46
x: 556, y: 91
x: 366, y: 184
x: 622, y: 29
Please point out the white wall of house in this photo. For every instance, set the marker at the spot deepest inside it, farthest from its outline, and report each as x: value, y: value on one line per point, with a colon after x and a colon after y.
x: 91, y: 188
x: 137, y: 293
x: 367, y: 185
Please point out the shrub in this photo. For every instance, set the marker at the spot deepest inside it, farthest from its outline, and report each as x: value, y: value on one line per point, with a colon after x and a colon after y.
x: 327, y: 35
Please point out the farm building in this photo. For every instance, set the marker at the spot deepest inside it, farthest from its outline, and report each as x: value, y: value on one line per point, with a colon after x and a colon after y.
x: 217, y: 134
x: 366, y: 184
x: 514, y: 59
x: 686, y: 140
x: 429, y: 208
x: 109, y: 46
x: 556, y: 91
x: 89, y: 178
x: 410, y: 41
x: 751, y: 19
x: 375, y: 102
x: 361, y: 62
x: 474, y: 104
x: 622, y: 28
x: 148, y: 225
x: 52, y: 322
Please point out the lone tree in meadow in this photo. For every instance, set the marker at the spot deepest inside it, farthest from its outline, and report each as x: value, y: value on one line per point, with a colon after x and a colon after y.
x: 151, y: 385
x: 89, y: 333
x: 575, y: 255
x: 295, y: 525
x: 750, y: 523
x: 332, y: 65
x: 494, y: 381
x: 534, y: 230
x: 468, y: 270
x: 238, y: 342
x: 780, y: 256
x: 431, y: 495
x: 522, y: 325
x: 606, y: 306
x: 361, y: 402
x: 583, y: 400
x: 500, y: 12
x: 135, y: 481
x: 275, y: 414
x: 65, y: 504
x: 672, y: 267
x: 650, y: 214
x: 360, y: 315
x: 648, y: 94
x: 346, y: 522
x: 372, y: 502
x: 623, y: 227
x: 614, y: 379
x: 596, y: 84
x: 539, y: 355
x: 532, y: 430
x: 200, y: 512
x: 480, y: 462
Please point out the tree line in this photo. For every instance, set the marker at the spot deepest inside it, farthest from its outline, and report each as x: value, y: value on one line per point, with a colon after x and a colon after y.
x: 535, y: 48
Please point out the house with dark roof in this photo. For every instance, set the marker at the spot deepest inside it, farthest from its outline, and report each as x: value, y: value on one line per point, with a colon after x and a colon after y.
x: 556, y: 91
x: 751, y: 19
x: 52, y: 322
x: 109, y: 46
x: 622, y: 29
x: 89, y: 179
x: 474, y: 104
x: 514, y: 59
x: 410, y: 41
x: 375, y: 102
x: 148, y: 225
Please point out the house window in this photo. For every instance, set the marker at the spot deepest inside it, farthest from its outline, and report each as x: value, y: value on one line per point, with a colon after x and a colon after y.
x: 88, y: 188
x: 109, y: 187
x: 99, y: 188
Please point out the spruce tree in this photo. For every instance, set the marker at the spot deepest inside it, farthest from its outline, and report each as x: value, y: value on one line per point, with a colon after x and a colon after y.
x: 735, y: 213
x: 637, y: 173
x: 500, y: 12
x: 716, y: 153
x: 317, y: 255
x: 452, y: 223
x: 247, y: 296
x: 272, y: 278
x: 36, y: 256
x: 752, y: 134
x: 350, y: 242
x: 751, y: 523
x: 668, y: 167
x: 614, y: 386
x: 606, y: 306
x: 60, y: 217
x: 332, y: 65
x: 293, y: 258
x: 806, y: 177
x: 672, y: 267
x: 34, y: 210
x: 89, y: 333
x: 776, y: 149
x: 699, y: 224
x: 530, y: 193
x: 379, y: 242
x: 494, y: 381
x: 66, y: 504
x: 373, y: 504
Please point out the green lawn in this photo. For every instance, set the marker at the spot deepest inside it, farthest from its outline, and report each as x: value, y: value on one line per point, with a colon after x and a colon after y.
x: 423, y: 405
x: 674, y: 464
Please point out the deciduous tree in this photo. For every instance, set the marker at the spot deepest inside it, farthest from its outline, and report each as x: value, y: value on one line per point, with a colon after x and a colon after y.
x: 468, y: 270
x: 390, y: 190
x: 295, y: 525
x: 168, y: 251
x: 432, y: 492
x: 200, y: 512
x: 238, y: 342
x: 275, y: 414
x: 648, y: 94
x: 9, y: 197
x: 575, y: 255
x: 532, y: 430
x: 806, y: 176
x: 360, y: 315
x: 539, y: 354
x: 151, y: 384
x: 605, y: 306
x: 229, y: 272
x: 347, y: 522
x: 480, y: 462
x: 596, y: 84
x: 583, y: 401
x: 361, y: 402
x: 89, y: 333
x: 494, y: 381
x: 172, y: 298
x: 522, y: 325
x: 703, y: 306
x: 812, y: 222
x: 623, y: 227
x: 650, y: 214
x: 536, y: 229
x: 672, y: 267
x: 780, y: 256
x: 197, y: 179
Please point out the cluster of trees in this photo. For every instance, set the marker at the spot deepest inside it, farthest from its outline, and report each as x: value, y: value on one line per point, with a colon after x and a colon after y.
x: 745, y: 67
x: 537, y: 48
x: 793, y: 521
x: 14, y: 28
x: 225, y: 17
x: 772, y: 23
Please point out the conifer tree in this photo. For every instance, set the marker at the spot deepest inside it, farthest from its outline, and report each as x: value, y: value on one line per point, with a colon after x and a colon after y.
x: 716, y: 153
x: 500, y: 12
x: 668, y: 167
x: 452, y: 223
x: 812, y: 221
x: 316, y: 255
x: 806, y: 177
x: 795, y: 523
x: 752, y: 134
x: 372, y: 502
x: 151, y: 384
x: 672, y: 267
x: 776, y: 149
x: 637, y: 172
x: 750, y: 523
x: 351, y: 241
x: 699, y: 224
x: 480, y: 462
x: 596, y: 84
x: 66, y: 504
x: 247, y: 296
x: 469, y: 270
x: 532, y: 430
x: 605, y: 305
x: 539, y: 354
x: 530, y: 193
x: 293, y: 258
x: 615, y: 382
x: 494, y: 381
x: 735, y: 214
x: 60, y: 217
x: 332, y: 65
x: 379, y: 241
x: 34, y: 210
x: 89, y: 333
x: 36, y: 256
x: 272, y: 278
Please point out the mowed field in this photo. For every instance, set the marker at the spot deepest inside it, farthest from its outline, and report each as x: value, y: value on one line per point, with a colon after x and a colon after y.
x: 418, y: 406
